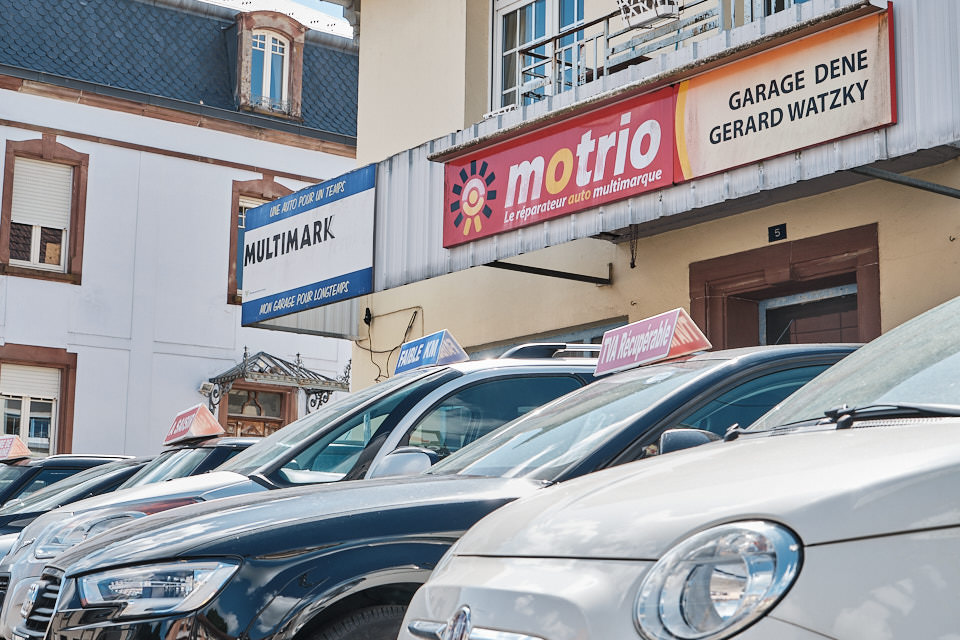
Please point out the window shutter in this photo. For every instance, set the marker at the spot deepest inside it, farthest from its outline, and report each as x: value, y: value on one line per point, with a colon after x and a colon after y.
x: 36, y: 382
x: 42, y: 193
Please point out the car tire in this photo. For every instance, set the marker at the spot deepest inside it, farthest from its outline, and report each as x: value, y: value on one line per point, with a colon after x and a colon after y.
x: 381, y: 622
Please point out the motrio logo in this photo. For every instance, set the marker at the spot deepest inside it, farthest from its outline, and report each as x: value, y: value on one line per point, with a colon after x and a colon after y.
x: 611, y: 153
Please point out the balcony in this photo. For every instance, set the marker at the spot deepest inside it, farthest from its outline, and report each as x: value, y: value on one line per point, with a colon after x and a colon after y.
x: 591, y: 49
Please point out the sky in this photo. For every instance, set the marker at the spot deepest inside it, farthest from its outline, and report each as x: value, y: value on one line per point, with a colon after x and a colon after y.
x: 326, y: 7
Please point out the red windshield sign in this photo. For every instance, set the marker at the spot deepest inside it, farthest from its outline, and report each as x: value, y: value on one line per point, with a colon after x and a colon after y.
x: 608, y: 154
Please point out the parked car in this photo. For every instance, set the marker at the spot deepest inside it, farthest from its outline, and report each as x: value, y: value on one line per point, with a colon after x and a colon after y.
x: 103, y: 478
x: 186, y: 458
x: 21, y: 476
x: 342, y: 561
x: 836, y: 515
x: 436, y: 409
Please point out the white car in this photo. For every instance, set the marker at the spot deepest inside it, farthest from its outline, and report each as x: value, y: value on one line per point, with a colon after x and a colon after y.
x: 837, y: 515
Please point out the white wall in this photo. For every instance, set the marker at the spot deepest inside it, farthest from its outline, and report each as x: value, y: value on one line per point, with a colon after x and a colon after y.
x: 150, y: 321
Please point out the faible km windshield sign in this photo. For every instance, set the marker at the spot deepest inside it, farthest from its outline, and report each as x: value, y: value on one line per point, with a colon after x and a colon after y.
x: 309, y: 249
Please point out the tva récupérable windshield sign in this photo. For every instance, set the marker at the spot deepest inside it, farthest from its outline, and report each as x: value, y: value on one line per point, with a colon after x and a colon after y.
x: 310, y: 248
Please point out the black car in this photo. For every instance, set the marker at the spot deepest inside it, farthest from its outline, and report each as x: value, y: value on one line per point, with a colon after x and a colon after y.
x: 20, y: 477
x: 187, y: 458
x: 342, y: 561
x: 18, y: 513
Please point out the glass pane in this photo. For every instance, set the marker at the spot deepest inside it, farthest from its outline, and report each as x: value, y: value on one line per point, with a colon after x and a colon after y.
x: 750, y: 400
x: 526, y: 23
x: 256, y: 74
x: 176, y: 464
x: 38, y: 436
x: 51, y: 241
x: 276, y: 77
x: 46, y: 478
x: 510, y: 31
x: 469, y: 414
x: 272, y: 403
x: 21, y: 236
x: 11, y: 416
x: 509, y: 98
x: 509, y: 71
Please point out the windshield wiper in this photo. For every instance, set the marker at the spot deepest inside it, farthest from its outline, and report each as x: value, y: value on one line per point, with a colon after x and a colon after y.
x: 844, y: 415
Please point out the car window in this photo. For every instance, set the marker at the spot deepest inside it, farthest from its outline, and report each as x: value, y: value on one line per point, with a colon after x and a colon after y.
x: 748, y: 401
x: 542, y: 443
x: 278, y: 445
x: 334, y: 454
x: 470, y: 413
x: 45, y: 478
x: 11, y: 473
x: 169, y: 464
x: 68, y: 489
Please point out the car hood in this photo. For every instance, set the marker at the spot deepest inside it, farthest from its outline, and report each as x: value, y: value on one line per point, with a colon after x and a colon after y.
x: 827, y: 485
x: 313, y: 516
x: 205, y: 486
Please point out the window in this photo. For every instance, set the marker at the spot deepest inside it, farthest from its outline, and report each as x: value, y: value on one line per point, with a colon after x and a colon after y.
x: 270, y: 68
x: 270, y: 47
x: 43, y: 208
x: 524, y: 78
x: 477, y: 410
x: 259, y: 411
x: 46, y: 478
x: 28, y: 398
x: 247, y: 194
x: 40, y: 213
x: 747, y: 402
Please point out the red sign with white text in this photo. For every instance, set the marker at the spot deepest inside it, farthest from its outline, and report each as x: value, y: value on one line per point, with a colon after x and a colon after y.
x: 608, y: 154
x: 195, y: 422
x: 663, y: 336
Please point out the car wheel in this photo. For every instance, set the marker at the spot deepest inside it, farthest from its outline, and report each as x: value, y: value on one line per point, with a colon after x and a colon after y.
x: 381, y: 622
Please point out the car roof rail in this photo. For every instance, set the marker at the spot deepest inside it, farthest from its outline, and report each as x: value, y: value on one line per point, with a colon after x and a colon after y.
x: 553, y: 350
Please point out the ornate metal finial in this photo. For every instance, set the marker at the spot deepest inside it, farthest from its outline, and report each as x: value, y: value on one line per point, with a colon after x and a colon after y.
x: 243, y: 365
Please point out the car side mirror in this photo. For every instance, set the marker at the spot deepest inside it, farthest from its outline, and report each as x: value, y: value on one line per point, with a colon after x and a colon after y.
x: 677, y: 439
x: 404, y: 461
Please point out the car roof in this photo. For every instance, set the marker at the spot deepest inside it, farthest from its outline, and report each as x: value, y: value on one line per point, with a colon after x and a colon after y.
x: 67, y: 460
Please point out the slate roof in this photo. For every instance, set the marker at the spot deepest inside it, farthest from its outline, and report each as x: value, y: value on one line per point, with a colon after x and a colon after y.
x: 166, y: 52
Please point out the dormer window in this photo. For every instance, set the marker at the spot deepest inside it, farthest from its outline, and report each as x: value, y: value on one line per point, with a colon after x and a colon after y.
x: 270, y: 63
x: 269, y: 72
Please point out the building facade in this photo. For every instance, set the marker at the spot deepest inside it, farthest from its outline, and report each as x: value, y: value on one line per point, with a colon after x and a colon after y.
x: 808, y: 191
x: 136, y: 134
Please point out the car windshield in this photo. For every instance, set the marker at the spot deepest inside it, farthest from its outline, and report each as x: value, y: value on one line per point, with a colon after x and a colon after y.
x: 277, y: 445
x: 177, y: 463
x: 64, y: 491
x: 9, y: 474
x: 541, y: 444
x: 915, y: 363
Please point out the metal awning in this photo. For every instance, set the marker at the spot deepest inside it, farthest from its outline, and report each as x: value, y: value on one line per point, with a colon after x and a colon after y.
x: 264, y: 368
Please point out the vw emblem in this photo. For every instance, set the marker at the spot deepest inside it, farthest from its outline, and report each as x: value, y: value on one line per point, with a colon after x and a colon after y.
x: 29, y: 600
x: 459, y: 626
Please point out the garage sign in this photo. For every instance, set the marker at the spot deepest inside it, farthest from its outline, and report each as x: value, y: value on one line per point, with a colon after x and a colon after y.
x: 309, y: 249
x: 604, y: 155
x: 663, y: 336
x: 436, y: 348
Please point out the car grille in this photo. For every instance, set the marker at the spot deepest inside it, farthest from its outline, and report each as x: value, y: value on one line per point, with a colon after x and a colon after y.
x: 41, y: 613
x: 4, y: 585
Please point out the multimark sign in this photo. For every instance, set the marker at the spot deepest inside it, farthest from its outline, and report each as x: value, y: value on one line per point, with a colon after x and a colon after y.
x: 309, y: 249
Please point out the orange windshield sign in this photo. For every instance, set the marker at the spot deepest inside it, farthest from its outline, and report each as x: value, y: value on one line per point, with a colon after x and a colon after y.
x: 195, y: 422
x: 13, y: 447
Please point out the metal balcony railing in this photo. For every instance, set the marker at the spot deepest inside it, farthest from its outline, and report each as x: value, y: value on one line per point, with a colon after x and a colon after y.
x: 586, y: 51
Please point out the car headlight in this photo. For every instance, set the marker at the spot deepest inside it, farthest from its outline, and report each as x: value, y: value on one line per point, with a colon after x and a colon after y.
x: 160, y: 589
x: 59, y: 537
x: 715, y: 583
x: 64, y: 534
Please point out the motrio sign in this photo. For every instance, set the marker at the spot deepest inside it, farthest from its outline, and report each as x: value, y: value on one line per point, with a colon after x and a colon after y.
x: 605, y: 155
x: 812, y: 90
